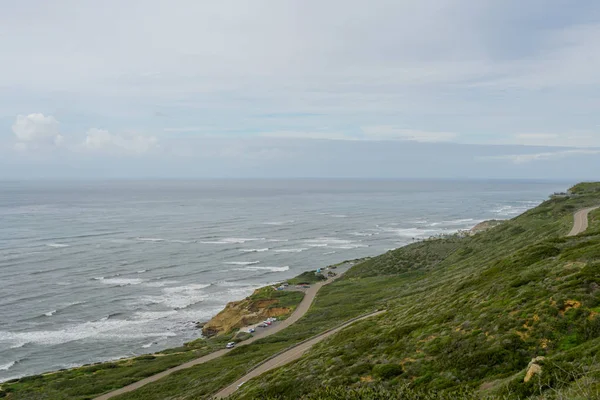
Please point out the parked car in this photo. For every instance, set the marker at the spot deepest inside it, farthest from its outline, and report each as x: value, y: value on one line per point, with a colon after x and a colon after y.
x: 251, y: 330
x: 267, y: 322
x: 230, y: 345
x: 263, y: 325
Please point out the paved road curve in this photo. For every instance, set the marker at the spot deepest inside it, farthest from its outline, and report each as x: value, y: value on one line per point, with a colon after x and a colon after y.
x: 298, y: 313
x: 287, y: 356
x: 580, y: 223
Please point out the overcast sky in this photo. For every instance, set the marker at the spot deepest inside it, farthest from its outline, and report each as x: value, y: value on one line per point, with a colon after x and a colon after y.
x: 387, y: 89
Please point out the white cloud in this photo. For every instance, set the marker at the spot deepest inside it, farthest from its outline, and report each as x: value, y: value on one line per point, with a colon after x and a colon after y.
x: 308, y: 135
x: 544, y: 156
x: 394, y: 133
x: 36, y: 130
x: 369, y: 133
x: 133, y: 143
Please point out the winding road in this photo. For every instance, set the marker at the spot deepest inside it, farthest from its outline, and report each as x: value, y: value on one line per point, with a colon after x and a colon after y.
x: 288, y: 355
x: 301, y: 309
x: 580, y: 223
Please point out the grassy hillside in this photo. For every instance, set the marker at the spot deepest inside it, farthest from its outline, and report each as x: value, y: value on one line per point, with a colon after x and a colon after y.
x: 466, y: 315
x: 470, y: 315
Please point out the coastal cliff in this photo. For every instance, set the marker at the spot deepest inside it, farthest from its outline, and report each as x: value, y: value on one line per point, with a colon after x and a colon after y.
x: 263, y: 303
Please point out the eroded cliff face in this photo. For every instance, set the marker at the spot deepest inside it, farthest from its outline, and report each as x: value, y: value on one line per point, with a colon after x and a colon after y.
x: 238, y: 314
x: 484, y: 226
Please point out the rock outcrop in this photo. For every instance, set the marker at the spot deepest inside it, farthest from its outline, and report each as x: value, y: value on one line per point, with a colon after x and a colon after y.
x: 484, y: 226
x: 534, y: 368
x: 238, y: 314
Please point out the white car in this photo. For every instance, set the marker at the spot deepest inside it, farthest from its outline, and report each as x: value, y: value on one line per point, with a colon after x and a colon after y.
x: 230, y: 345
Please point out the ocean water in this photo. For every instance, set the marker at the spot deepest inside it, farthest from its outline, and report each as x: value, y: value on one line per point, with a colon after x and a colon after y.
x: 97, y: 271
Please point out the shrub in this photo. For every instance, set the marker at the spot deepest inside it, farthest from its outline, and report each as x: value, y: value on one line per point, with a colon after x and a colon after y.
x: 387, y: 371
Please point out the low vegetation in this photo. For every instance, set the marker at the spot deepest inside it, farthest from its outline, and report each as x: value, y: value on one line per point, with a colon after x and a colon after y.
x: 308, y: 278
x: 467, y: 318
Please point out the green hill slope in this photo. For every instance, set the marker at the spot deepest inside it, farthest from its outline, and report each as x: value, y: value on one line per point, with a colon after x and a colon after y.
x: 468, y: 314
x: 465, y: 318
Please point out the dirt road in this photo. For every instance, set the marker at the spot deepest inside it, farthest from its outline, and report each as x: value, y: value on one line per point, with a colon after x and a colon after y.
x: 287, y: 356
x: 298, y: 313
x: 580, y: 223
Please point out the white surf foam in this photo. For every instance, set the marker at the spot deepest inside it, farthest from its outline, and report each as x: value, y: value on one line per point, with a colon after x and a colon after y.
x: 159, y: 284
x: 350, y: 246
x: 298, y: 250
x: 279, y: 223
x: 120, y: 281
x: 329, y: 252
x: 7, y: 366
x: 241, y: 262
x: 57, y: 245
x: 272, y: 269
x: 456, y: 222
x: 254, y: 250
x: 510, y: 211
x: 232, y: 241
x: 179, y: 296
x: 320, y: 241
x: 50, y: 313
x: 413, y: 232
x: 101, y: 330
x: 153, y: 315
x: 148, y: 239
x: 145, y: 346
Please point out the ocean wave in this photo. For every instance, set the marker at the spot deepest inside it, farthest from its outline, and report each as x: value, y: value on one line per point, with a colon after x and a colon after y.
x: 241, y: 262
x: 111, y: 315
x: 179, y: 297
x: 338, y: 216
x: 329, y: 252
x: 50, y: 313
x: 153, y: 315
x: 297, y: 250
x: 7, y: 366
x: 145, y: 346
x: 117, y: 329
x: 279, y: 223
x: 254, y: 250
x: 119, y: 281
x: 362, y: 233
x: 148, y: 239
x: 57, y: 245
x: 272, y: 269
x: 326, y: 241
x: 159, y: 284
x: 413, y: 232
x: 278, y: 240
x: 506, y: 211
x: 232, y: 241
x: 456, y: 222
x: 350, y: 246
x: 141, y: 271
